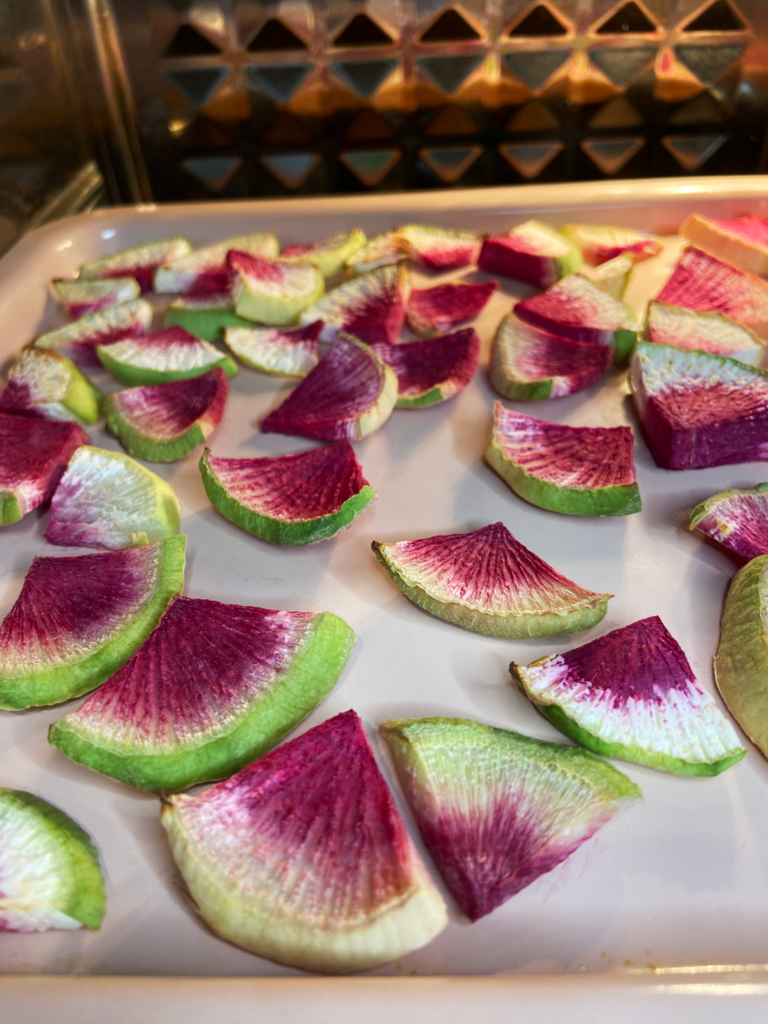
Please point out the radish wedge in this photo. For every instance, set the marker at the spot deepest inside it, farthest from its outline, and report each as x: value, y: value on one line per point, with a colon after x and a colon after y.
x: 276, y: 351
x: 579, y: 310
x: 703, y: 282
x: 742, y: 241
x: 205, y: 316
x: 272, y: 292
x: 498, y: 809
x: 302, y: 857
x: 613, y: 275
x: 436, y: 310
x: 33, y: 456
x: 214, y: 687
x: 329, y: 256
x: 427, y: 246
x: 44, y: 383
x: 79, y: 340
x: 79, y: 298
x: 532, y: 252
x: 205, y: 271
x: 579, y: 471
x: 349, y: 394
x: 163, y: 356
x: 291, y: 499
x: 106, y: 500
x: 736, y: 520
x: 371, y: 307
x: 490, y: 583
x: 77, y: 620
x: 164, y: 422
x: 632, y: 694
x: 706, y: 332
x: 433, y: 370
x: 138, y: 262
x: 600, y: 243
x: 49, y: 866
x: 528, y: 364
x: 697, y: 409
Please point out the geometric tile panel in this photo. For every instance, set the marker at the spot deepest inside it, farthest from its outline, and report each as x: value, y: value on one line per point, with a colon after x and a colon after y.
x: 188, y: 42
x: 534, y: 68
x: 718, y: 17
x: 450, y: 73
x: 629, y: 18
x: 691, y: 151
x: 280, y: 81
x: 197, y: 84
x: 617, y: 113
x: 274, y: 36
x: 534, y: 117
x: 371, y: 166
x: 362, y: 31
x: 530, y: 159
x: 610, y: 155
x: 291, y: 169
x: 539, y: 22
x: 450, y: 163
x: 709, y: 62
x: 212, y: 171
x: 450, y: 27
x: 364, y: 76
x: 622, y: 65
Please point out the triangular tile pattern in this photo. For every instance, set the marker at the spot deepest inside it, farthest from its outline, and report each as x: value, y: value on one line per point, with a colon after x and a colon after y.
x: 450, y: 73
x: 287, y: 130
x: 364, y: 77
x: 451, y: 121
x: 708, y: 62
x: 197, y: 84
x: 539, y: 21
x: 291, y: 169
x: 535, y: 67
x: 533, y: 117
x: 692, y: 151
x: 274, y: 36
x: 450, y: 163
x: 617, y: 113
x: 630, y: 17
x: 718, y: 17
x: 215, y: 172
x: 371, y: 166
x: 450, y: 27
x: 369, y: 126
x: 611, y: 155
x: 362, y: 31
x: 203, y: 133
x: 621, y: 65
x: 188, y: 42
x: 529, y: 159
x: 279, y: 81
x: 703, y: 110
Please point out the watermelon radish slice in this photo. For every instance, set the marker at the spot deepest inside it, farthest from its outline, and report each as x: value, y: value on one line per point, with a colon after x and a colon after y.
x: 737, y: 520
x: 380, y: 251
x: 599, y: 243
x: 163, y: 356
x: 138, y: 262
x: 164, y: 422
x: 77, y: 620
x: 291, y: 499
x: 527, y: 363
x: 632, y: 694
x: 49, y: 867
x: 205, y: 271
x: 532, y: 252
x: 742, y: 241
x: 428, y: 246
x: 371, y: 307
x: 580, y: 471
x: 697, y: 409
x: 706, y: 332
x: 275, y: 351
x: 330, y: 255
x: 33, y: 456
x: 106, y: 500
x: 302, y: 857
x: 703, y: 282
x: 271, y: 292
x: 214, y: 687
x: 349, y: 394
x: 42, y: 382
x: 79, y: 298
x: 580, y: 310
x: 432, y: 371
x: 205, y: 316
x: 498, y: 809
x: 487, y: 581
x: 613, y: 275
x: 78, y: 341
x: 436, y: 310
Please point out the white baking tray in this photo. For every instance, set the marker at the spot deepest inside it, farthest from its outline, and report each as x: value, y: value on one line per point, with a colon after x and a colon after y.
x: 677, y: 881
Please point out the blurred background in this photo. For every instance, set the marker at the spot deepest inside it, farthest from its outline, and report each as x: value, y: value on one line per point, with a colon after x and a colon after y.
x: 124, y: 101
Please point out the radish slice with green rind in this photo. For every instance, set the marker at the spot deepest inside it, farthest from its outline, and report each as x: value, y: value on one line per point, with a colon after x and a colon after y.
x: 497, y: 809
x: 214, y: 687
x: 289, y: 499
x: 371, y: 307
x: 49, y: 868
x: 433, y: 370
x: 599, y: 243
x: 579, y: 471
x: 302, y: 857
x: 79, y: 340
x: 532, y: 252
x: 632, y: 694
x: 613, y: 275
x: 79, y: 298
x: 138, y: 262
x: 736, y: 520
x: 706, y: 332
x: 205, y: 316
x: 275, y: 351
x: 44, y: 383
x: 330, y: 255
x: 77, y: 620
x: 205, y: 270
x: 437, y: 310
x: 270, y: 291
x: 487, y: 581
x: 163, y: 356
